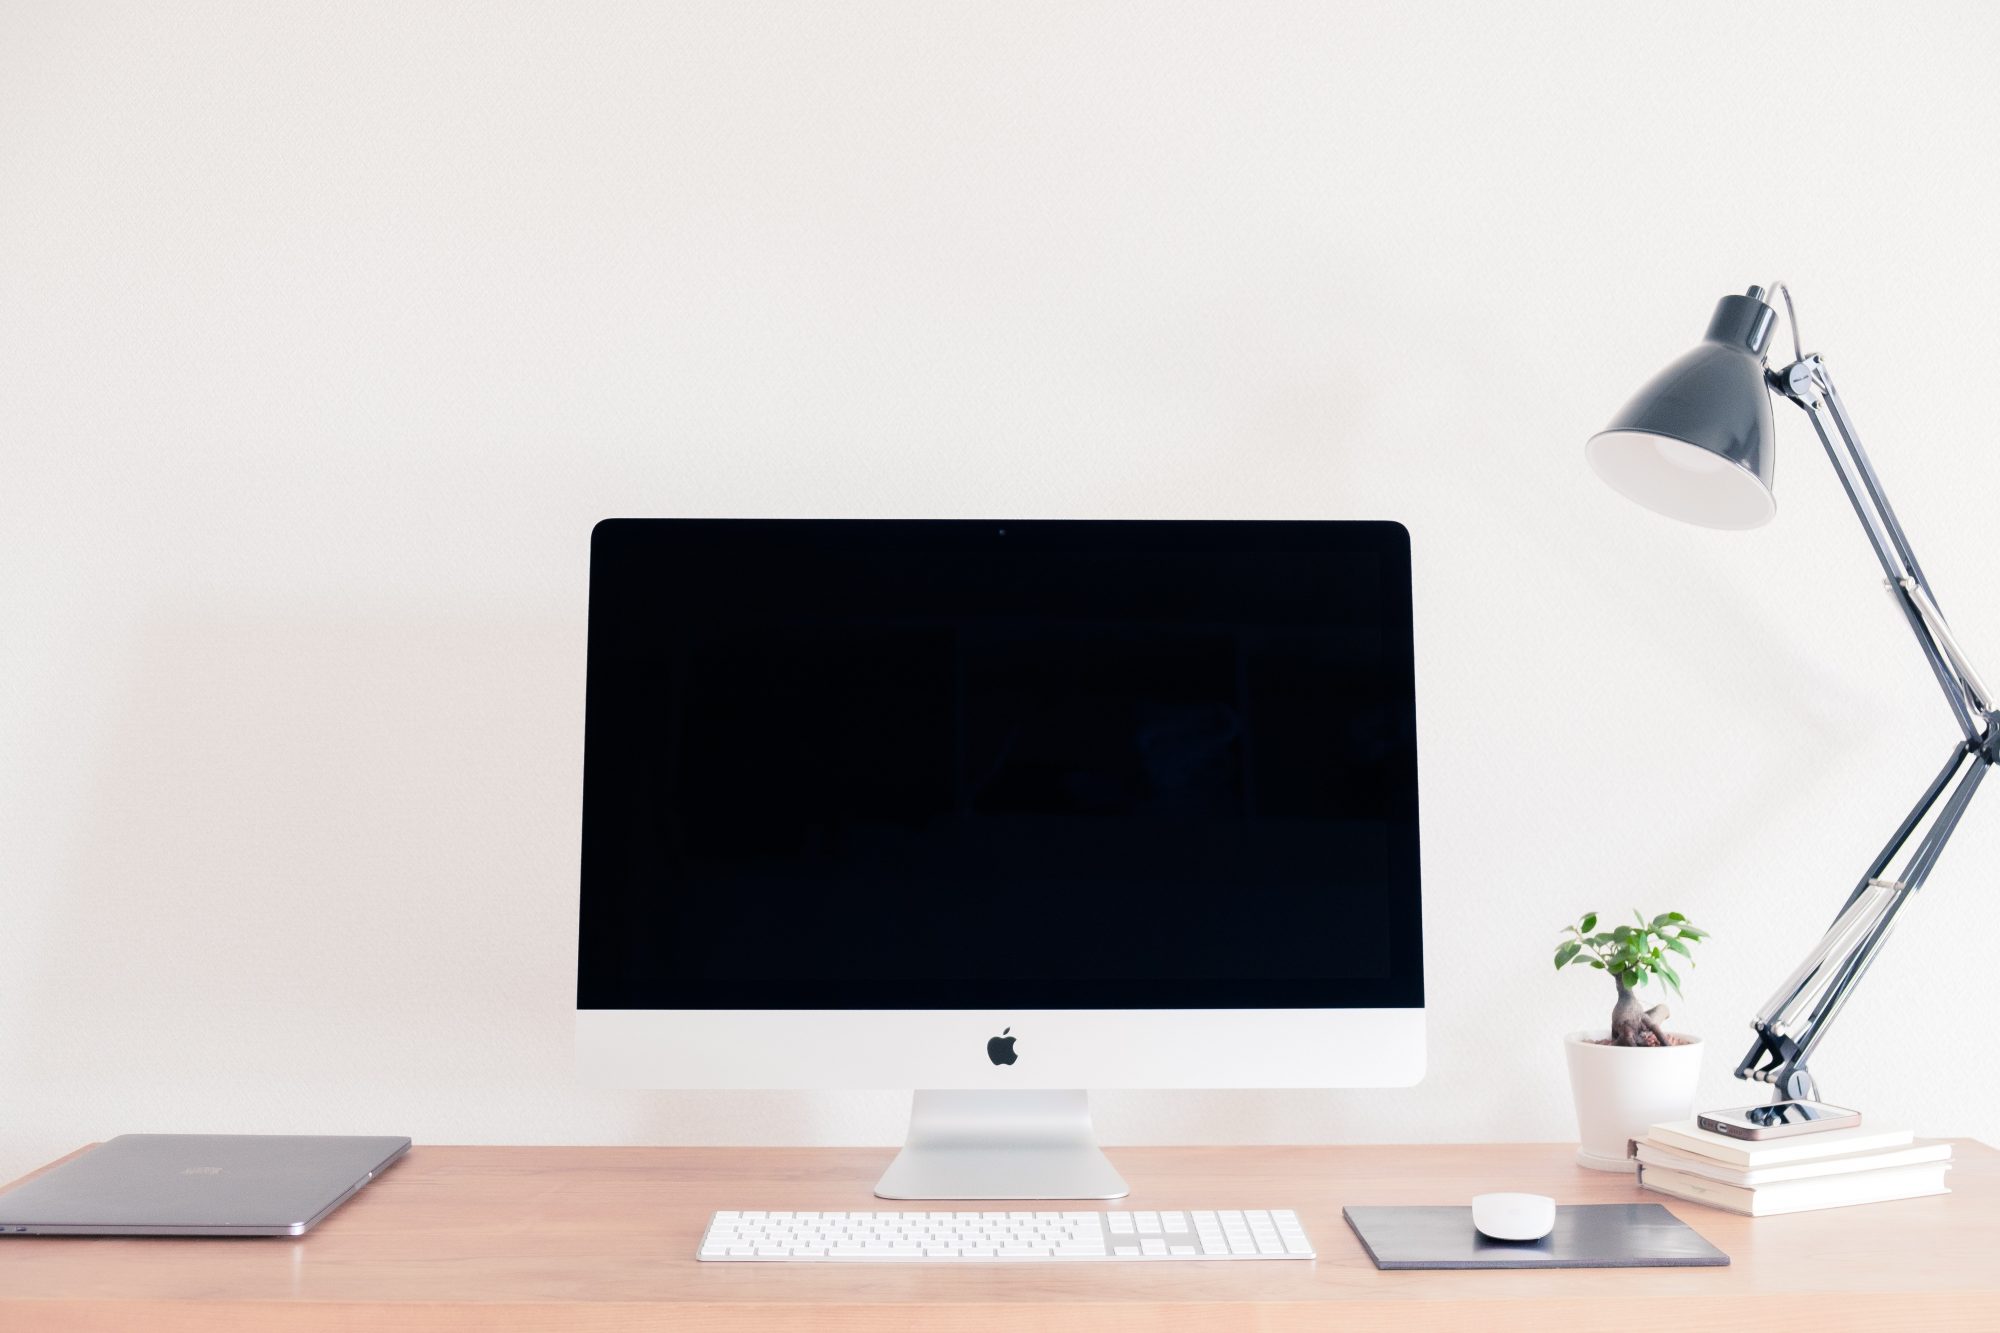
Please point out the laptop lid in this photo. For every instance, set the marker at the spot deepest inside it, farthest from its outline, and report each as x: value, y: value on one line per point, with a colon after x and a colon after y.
x: 197, y: 1185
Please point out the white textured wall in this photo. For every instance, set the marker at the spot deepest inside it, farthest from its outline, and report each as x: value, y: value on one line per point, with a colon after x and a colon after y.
x: 326, y: 332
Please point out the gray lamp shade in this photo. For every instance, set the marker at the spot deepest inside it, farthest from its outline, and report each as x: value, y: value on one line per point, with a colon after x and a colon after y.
x: 1696, y: 444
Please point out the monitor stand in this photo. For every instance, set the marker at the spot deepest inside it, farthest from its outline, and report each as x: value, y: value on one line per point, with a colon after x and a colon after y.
x: 1001, y: 1145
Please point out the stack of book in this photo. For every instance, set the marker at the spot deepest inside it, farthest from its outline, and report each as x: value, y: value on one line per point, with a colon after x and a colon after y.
x: 1828, y: 1169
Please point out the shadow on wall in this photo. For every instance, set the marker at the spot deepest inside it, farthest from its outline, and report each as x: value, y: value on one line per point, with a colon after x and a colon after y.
x: 322, y: 855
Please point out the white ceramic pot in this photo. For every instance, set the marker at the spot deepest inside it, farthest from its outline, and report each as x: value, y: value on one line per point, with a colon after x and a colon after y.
x: 1622, y: 1090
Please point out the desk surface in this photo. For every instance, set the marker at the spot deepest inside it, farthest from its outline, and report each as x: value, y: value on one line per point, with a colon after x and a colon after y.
x: 603, y: 1239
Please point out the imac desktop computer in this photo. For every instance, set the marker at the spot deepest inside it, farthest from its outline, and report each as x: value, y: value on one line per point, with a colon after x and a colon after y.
x: 1000, y: 812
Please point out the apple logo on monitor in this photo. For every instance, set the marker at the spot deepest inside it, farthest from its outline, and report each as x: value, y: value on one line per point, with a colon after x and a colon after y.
x: 1000, y: 1049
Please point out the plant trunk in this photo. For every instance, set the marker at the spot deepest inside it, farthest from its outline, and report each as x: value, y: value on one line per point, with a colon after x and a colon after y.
x: 1632, y: 1024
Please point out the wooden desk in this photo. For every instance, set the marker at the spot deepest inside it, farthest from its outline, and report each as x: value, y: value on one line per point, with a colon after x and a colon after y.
x: 602, y: 1239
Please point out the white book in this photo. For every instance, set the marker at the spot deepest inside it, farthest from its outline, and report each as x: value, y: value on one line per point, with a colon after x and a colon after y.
x: 1690, y: 1137
x: 1800, y: 1196
x: 1694, y: 1164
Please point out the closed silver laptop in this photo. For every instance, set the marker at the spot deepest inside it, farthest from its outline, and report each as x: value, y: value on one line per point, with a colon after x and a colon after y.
x: 197, y: 1185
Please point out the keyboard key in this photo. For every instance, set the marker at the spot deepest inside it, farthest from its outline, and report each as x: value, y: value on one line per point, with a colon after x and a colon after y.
x: 1152, y: 1246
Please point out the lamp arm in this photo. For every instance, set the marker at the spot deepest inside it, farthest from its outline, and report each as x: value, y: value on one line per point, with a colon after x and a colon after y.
x: 1792, y: 1022
x: 1807, y: 383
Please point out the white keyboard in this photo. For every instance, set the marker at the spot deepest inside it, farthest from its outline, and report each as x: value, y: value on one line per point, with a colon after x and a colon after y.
x: 943, y: 1237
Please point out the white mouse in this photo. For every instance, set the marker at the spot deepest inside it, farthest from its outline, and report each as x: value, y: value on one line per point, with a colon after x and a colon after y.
x: 1514, y: 1216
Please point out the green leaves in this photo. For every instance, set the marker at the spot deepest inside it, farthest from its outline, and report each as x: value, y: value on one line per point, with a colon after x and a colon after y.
x: 1635, y: 954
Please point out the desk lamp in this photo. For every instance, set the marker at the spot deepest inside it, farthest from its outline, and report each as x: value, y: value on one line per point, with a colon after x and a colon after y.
x: 1696, y: 444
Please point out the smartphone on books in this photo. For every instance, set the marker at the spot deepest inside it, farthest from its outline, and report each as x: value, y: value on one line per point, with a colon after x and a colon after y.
x: 1778, y: 1120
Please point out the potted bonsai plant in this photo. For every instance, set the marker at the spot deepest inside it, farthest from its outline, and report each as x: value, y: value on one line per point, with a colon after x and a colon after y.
x: 1634, y: 1073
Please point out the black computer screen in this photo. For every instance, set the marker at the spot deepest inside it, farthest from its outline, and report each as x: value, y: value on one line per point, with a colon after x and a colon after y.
x: 835, y: 764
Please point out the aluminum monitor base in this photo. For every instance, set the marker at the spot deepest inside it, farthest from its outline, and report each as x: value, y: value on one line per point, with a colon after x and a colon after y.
x: 1001, y: 1145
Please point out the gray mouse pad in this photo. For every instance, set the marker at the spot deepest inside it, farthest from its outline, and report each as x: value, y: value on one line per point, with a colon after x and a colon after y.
x: 1587, y: 1235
